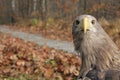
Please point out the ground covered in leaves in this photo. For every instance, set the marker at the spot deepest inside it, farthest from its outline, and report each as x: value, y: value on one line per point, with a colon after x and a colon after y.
x: 23, y: 60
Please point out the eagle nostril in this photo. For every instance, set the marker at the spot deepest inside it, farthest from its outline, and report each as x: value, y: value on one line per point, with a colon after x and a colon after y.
x: 87, y: 29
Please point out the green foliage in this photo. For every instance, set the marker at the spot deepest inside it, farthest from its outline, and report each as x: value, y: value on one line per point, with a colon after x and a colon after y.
x: 75, y: 78
x: 20, y: 77
x: 34, y: 21
x: 51, y: 62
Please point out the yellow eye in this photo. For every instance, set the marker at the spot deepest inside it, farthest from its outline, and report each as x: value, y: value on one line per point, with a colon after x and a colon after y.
x: 93, y: 21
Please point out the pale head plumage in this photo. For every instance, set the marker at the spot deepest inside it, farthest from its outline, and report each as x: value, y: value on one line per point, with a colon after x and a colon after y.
x: 93, y: 45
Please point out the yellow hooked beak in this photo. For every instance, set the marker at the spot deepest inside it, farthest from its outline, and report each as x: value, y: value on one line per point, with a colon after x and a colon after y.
x: 85, y: 24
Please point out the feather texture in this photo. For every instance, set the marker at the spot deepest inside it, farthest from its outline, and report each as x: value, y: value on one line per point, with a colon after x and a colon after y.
x: 95, y: 47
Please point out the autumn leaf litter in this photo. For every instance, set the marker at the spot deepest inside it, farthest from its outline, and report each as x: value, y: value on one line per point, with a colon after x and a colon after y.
x: 26, y: 60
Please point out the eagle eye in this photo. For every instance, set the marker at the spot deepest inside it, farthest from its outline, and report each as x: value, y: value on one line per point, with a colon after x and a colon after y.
x: 93, y: 21
x: 77, y: 22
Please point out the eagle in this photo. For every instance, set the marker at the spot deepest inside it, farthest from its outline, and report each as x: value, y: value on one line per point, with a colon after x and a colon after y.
x: 94, y: 46
x: 108, y: 75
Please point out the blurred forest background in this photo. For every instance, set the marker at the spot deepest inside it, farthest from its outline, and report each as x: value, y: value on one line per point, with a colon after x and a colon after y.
x: 14, y: 10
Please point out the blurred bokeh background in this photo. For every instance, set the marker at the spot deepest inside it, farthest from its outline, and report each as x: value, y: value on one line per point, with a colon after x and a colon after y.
x: 52, y: 18
x: 14, y: 10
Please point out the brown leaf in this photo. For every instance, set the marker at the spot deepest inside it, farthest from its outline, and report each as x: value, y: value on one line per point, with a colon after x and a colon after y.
x: 48, y: 73
x: 13, y: 57
x: 76, y: 72
x: 20, y: 63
